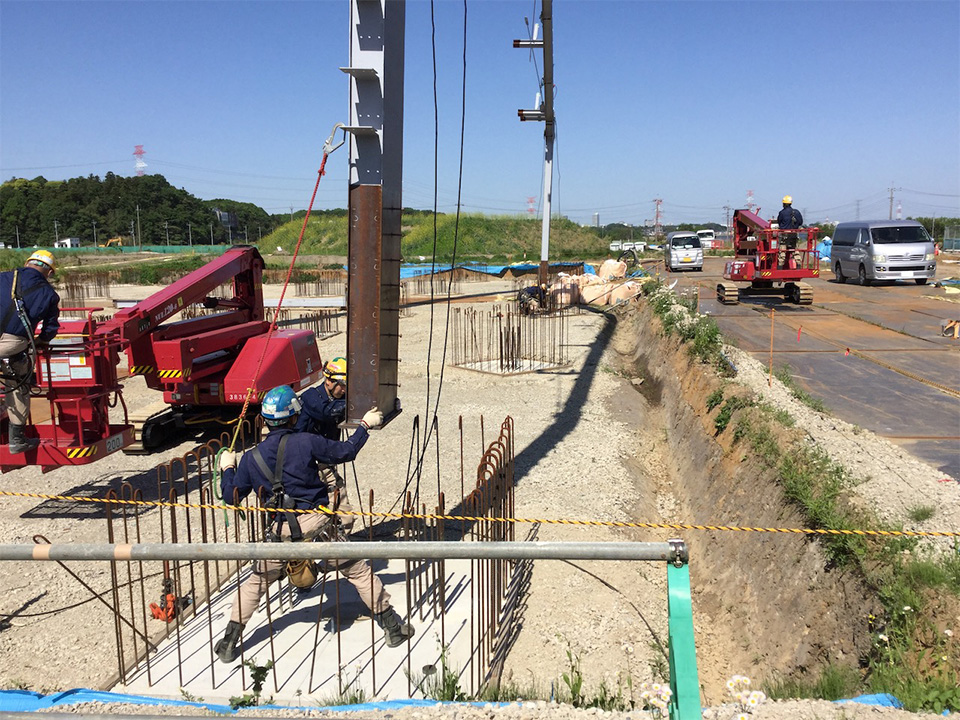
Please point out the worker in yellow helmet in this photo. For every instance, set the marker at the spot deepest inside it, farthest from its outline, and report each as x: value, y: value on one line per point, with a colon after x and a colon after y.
x: 789, y: 217
x: 26, y: 300
x: 323, y: 409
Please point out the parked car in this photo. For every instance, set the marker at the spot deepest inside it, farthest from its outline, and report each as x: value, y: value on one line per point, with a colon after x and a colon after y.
x: 883, y: 250
x: 683, y: 251
x: 707, y: 238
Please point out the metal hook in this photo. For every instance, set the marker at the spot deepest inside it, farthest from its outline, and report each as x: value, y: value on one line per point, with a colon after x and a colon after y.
x: 328, y: 146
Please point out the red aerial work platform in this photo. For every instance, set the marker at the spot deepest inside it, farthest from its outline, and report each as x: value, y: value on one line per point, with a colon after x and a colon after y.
x: 773, y: 261
x: 204, y: 366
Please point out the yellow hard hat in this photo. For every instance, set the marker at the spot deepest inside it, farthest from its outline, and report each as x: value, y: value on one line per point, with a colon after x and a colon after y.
x: 336, y: 370
x: 43, y: 257
x: 787, y: 200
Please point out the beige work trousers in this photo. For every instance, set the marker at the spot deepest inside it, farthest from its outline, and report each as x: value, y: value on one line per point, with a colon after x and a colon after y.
x: 357, y: 572
x: 17, y: 398
x: 339, y: 499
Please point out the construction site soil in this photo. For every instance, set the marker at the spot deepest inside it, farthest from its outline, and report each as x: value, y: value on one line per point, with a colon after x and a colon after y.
x: 622, y: 434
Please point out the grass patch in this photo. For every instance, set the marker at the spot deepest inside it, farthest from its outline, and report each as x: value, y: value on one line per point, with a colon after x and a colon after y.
x: 679, y: 317
x: 921, y: 513
x: 835, y: 682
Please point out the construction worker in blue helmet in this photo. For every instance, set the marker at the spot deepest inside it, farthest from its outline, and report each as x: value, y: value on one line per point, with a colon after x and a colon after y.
x: 283, y: 472
x: 26, y: 300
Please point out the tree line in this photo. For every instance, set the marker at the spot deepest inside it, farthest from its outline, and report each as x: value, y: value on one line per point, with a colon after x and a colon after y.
x: 144, y: 210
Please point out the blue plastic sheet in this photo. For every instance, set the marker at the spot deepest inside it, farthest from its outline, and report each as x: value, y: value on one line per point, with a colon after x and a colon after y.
x: 412, y: 270
x: 823, y: 248
x: 26, y: 701
x: 881, y: 699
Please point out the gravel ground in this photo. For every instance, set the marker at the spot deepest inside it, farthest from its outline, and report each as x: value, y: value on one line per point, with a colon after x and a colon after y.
x: 578, y: 431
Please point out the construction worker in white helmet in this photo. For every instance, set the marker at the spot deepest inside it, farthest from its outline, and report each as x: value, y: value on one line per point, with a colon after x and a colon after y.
x: 26, y: 300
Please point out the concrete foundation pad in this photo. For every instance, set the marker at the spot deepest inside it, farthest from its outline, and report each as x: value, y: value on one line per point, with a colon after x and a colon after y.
x: 341, y: 656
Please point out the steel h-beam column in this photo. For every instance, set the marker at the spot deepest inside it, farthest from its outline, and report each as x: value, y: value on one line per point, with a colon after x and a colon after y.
x: 375, y: 204
x: 545, y: 114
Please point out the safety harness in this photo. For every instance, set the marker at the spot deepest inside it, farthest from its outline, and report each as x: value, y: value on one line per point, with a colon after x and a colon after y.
x: 13, y: 379
x: 282, y: 504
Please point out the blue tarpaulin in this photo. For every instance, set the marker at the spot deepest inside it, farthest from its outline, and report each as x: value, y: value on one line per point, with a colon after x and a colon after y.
x: 412, y: 270
x: 26, y: 701
x: 823, y: 248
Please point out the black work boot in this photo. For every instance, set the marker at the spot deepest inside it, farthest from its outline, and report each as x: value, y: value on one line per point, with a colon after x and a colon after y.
x: 20, y: 443
x: 395, y: 631
x: 227, y: 648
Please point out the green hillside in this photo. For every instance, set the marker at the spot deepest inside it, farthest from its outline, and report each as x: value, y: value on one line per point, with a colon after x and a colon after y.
x: 481, y: 237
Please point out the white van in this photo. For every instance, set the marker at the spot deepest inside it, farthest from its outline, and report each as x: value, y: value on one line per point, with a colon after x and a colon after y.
x: 883, y: 250
x: 707, y: 238
x: 683, y: 251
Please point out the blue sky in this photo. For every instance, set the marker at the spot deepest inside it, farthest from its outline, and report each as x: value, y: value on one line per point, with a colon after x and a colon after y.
x: 694, y: 102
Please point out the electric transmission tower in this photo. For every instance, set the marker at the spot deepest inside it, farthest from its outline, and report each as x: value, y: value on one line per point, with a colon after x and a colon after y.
x: 138, y: 153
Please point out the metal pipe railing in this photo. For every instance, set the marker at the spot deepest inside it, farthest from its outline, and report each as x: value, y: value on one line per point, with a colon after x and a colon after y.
x: 673, y: 551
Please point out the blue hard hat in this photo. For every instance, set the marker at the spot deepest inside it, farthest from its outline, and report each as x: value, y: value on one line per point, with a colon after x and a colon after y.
x: 279, y: 405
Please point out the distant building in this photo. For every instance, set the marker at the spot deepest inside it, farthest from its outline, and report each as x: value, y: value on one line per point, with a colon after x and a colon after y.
x: 67, y: 242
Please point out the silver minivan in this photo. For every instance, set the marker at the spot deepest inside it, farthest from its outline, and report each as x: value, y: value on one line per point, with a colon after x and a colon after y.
x: 683, y: 251
x: 882, y: 250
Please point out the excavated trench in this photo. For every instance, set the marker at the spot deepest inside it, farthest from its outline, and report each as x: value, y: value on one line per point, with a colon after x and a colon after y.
x: 765, y: 604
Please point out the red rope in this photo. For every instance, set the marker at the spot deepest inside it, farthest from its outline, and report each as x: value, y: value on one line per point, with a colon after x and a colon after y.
x: 251, y: 391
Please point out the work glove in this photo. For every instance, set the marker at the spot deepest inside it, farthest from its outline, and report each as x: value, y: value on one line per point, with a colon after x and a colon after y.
x: 228, y: 459
x: 373, y: 418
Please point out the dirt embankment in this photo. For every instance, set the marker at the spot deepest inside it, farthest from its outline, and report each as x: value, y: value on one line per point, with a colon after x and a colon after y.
x: 765, y: 604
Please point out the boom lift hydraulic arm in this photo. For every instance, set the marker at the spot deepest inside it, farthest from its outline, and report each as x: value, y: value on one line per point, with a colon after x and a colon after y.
x: 202, y: 365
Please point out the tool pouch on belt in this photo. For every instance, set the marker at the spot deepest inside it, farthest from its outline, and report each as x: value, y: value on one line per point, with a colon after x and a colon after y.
x: 301, y: 573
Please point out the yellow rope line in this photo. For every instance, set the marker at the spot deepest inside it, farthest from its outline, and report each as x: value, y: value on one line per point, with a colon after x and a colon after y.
x: 545, y: 521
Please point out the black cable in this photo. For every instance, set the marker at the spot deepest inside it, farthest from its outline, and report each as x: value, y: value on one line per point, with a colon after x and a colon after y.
x: 456, y: 226
x: 436, y: 182
x: 434, y: 425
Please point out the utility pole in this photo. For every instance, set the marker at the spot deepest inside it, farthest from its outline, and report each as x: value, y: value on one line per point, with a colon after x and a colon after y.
x: 133, y: 235
x: 95, y: 233
x: 190, y: 234
x: 891, y: 189
x: 56, y: 230
x: 18, y: 237
x: 211, y: 233
x: 166, y: 229
x: 246, y: 240
x: 139, y: 237
x: 544, y: 113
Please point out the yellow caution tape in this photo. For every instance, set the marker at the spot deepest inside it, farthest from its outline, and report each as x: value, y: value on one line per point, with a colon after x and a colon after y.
x: 544, y: 521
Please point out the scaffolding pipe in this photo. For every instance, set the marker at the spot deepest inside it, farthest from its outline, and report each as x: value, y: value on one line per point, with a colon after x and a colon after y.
x: 672, y: 551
